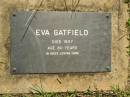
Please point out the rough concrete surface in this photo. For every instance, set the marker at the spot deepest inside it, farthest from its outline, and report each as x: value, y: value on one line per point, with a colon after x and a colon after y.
x: 63, y: 82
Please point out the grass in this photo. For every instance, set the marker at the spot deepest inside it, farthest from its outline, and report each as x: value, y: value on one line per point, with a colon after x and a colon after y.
x: 128, y: 27
x: 128, y: 36
x: 38, y: 91
x: 127, y: 1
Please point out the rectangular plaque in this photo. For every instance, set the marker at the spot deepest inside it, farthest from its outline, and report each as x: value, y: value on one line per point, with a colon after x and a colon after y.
x: 60, y: 42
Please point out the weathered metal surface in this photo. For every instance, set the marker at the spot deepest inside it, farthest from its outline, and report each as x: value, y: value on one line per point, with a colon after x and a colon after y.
x: 33, y: 51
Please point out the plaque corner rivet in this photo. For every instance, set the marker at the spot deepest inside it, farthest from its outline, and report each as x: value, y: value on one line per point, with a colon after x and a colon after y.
x: 107, y: 68
x: 14, y: 15
x: 107, y: 16
x: 14, y: 69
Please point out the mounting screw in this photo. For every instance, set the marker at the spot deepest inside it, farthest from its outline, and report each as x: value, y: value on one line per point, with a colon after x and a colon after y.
x: 14, y: 69
x: 108, y: 68
x: 107, y: 16
x: 14, y: 15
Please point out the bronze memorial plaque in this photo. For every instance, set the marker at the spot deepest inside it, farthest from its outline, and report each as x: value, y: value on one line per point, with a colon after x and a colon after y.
x: 60, y: 42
